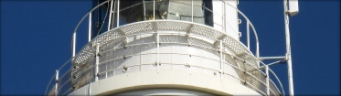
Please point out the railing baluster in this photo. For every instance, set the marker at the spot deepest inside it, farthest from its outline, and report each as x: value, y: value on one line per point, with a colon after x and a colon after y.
x: 89, y: 30
x: 97, y: 61
x: 248, y: 34
x: 56, y: 85
x: 158, y: 49
x: 144, y: 10
x: 153, y: 9
x: 221, y: 58
x: 118, y: 13
x: 110, y: 13
x: 192, y: 11
x: 74, y: 44
x: 267, y: 80
x: 224, y: 16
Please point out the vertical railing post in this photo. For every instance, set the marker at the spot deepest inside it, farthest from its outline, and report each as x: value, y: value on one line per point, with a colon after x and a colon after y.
x: 56, y: 83
x: 118, y: 13
x: 73, y: 44
x: 110, y: 13
x: 158, y: 50
x: 153, y: 9
x: 97, y: 61
x: 89, y: 30
x: 144, y: 10
x: 106, y: 70
x: 267, y: 80
x: 192, y: 11
x: 221, y: 58
x: 248, y: 34
x: 257, y: 50
x: 224, y: 16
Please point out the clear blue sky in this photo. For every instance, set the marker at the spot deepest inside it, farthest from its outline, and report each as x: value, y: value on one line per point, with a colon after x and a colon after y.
x: 36, y: 37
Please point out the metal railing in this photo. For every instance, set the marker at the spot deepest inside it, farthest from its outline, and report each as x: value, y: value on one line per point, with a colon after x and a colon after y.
x: 92, y: 66
x: 116, y: 20
x: 64, y: 83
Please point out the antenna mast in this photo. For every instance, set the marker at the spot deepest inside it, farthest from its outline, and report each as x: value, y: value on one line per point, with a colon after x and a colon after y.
x: 291, y: 10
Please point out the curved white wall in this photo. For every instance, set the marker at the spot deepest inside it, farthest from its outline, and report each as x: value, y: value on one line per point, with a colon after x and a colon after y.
x: 181, y: 80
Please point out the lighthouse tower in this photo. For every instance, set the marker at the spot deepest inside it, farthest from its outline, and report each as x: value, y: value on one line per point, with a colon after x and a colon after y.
x: 165, y: 47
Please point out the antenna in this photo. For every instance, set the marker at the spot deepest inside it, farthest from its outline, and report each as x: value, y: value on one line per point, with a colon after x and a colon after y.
x: 293, y: 7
